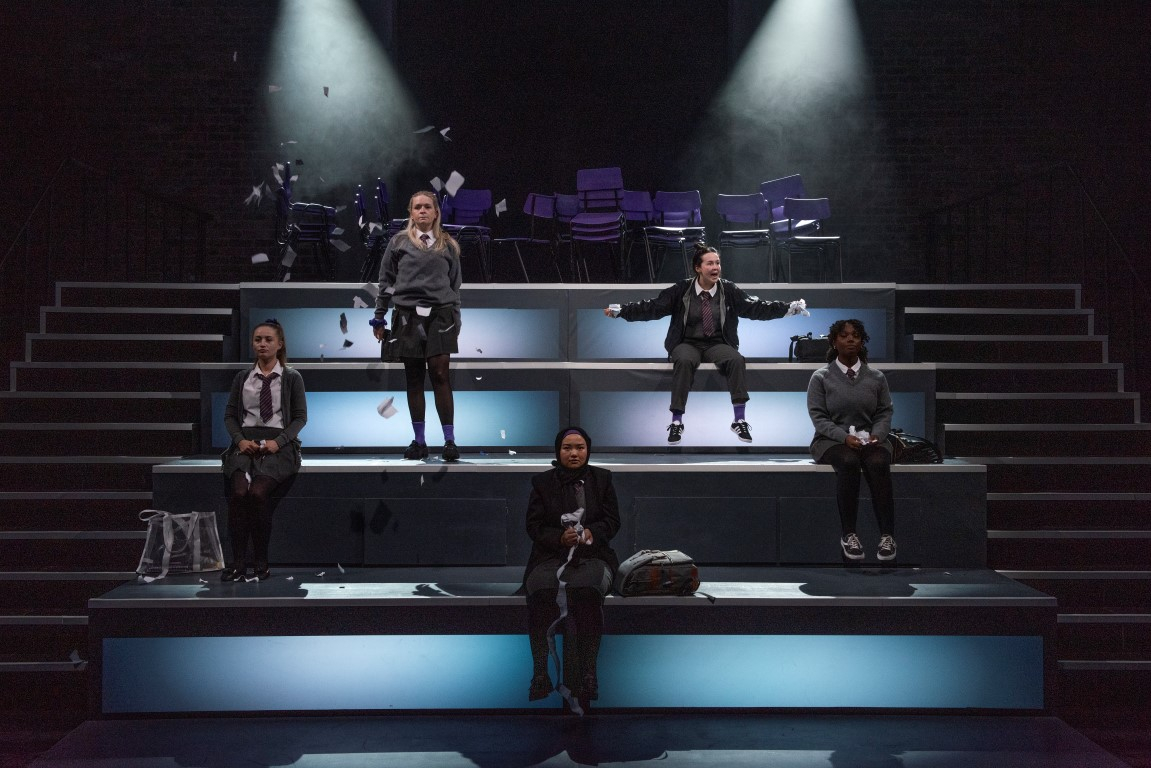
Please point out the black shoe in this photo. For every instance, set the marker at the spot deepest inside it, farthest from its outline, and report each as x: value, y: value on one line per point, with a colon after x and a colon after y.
x: 742, y: 430
x: 416, y: 451
x: 886, y: 548
x: 540, y: 688
x: 852, y: 549
x: 261, y: 572
x: 235, y: 573
x: 451, y: 452
x: 674, y: 432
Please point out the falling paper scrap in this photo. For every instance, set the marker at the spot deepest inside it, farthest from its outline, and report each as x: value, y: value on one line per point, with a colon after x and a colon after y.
x: 321, y: 573
x: 277, y: 169
x: 341, y: 568
x: 502, y: 206
x: 437, y: 185
x: 273, y: 88
x: 260, y: 258
x: 358, y: 303
x: 479, y: 378
x: 325, y: 90
x: 503, y: 434
x: 341, y: 246
x: 343, y: 324
x: 287, y: 277
x: 257, y: 195
x: 386, y: 409
x: 421, y: 481
x: 348, y: 343
x: 234, y: 54
x: 291, y: 578
x: 479, y: 350
x: 203, y: 581
x: 444, y: 133
x: 77, y: 662
x: 511, y: 453
x: 289, y: 258
x: 425, y: 129
x: 454, y: 182
x: 372, y: 289
x: 336, y: 231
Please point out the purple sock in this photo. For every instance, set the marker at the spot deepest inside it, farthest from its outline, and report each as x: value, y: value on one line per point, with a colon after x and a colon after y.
x: 740, y: 410
x: 418, y: 428
x: 677, y: 416
x: 449, y: 432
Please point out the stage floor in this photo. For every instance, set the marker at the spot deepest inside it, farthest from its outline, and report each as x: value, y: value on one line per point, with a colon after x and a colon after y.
x: 500, y: 741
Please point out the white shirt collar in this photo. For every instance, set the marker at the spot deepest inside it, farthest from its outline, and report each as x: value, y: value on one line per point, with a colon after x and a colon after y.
x: 277, y: 369
x: 842, y: 367
x: 699, y: 288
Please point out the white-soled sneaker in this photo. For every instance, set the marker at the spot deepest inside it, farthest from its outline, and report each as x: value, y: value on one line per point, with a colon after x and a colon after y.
x: 886, y: 548
x: 742, y: 430
x: 852, y: 548
x: 674, y: 432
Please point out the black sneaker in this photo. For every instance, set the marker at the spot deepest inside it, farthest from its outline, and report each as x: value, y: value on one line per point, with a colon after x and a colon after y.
x: 674, y: 432
x: 886, y: 548
x: 416, y: 451
x: 451, y: 452
x: 742, y: 430
x: 852, y: 549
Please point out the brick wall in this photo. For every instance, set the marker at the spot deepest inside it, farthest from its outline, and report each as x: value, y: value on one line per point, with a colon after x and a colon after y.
x: 966, y: 94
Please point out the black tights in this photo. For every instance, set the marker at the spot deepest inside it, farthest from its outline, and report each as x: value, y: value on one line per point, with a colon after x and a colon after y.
x: 250, y: 517
x: 874, y: 463
x: 436, y: 367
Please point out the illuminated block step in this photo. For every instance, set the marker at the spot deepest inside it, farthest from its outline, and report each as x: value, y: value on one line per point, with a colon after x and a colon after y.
x: 937, y: 640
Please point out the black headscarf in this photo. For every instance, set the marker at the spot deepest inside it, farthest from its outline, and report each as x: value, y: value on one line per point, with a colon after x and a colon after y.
x: 564, y: 474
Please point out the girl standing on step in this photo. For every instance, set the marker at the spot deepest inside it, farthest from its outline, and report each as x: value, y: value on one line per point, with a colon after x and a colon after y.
x: 572, y: 516
x: 265, y: 412
x: 845, y: 397
x: 420, y: 276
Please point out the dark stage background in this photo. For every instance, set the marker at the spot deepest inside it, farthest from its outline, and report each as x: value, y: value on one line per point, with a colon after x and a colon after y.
x: 961, y: 97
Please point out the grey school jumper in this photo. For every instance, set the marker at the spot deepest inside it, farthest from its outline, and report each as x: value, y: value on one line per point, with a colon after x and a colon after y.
x: 835, y: 404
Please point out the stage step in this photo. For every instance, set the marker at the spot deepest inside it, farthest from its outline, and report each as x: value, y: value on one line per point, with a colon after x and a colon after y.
x: 158, y: 295
x: 103, y: 320
x: 43, y: 688
x: 99, y: 406
x: 989, y: 296
x: 98, y: 439
x: 1037, y: 408
x: 1047, y: 439
x: 43, y: 638
x: 138, y: 347
x: 1114, y: 685
x: 75, y: 473
x: 1105, y: 636
x: 1003, y: 348
x: 1071, y: 474
x: 156, y: 376
x: 1028, y: 377
x: 55, y: 593
x: 71, y: 550
x: 765, y: 643
x: 1081, y: 591
x: 1092, y: 549
x: 1041, y: 510
x: 989, y: 321
x: 73, y: 510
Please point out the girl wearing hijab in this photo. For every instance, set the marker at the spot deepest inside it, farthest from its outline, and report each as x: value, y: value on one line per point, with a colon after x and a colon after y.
x: 572, y: 516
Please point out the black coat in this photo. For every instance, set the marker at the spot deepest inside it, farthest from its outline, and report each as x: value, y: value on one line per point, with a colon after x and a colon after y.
x: 547, y: 505
x: 673, y: 300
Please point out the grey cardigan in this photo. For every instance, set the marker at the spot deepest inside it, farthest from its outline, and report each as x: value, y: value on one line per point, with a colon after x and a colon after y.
x: 293, y: 401
x: 835, y: 403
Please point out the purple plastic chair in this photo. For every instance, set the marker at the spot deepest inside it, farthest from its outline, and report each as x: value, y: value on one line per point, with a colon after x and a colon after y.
x: 372, y: 236
x: 776, y: 190
x: 541, y: 212
x: 810, y: 213
x: 299, y: 224
x: 600, y: 218
x: 677, y: 222
x: 465, y: 216
x: 750, y: 210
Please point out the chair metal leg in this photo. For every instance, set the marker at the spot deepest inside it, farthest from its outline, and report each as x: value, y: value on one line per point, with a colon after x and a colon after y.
x: 650, y: 264
x: 520, y: 256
